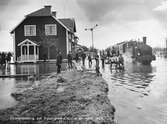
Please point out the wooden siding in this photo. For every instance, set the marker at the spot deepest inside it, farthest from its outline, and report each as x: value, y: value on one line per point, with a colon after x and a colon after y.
x: 47, y: 43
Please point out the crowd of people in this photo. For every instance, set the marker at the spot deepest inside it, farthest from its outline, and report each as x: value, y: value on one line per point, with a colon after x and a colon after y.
x: 5, y: 58
x: 114, y: 59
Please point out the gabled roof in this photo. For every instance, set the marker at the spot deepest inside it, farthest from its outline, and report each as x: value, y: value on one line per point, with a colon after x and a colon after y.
x: 46, y: 11
x: 69, y: 23
x: 29, y: 41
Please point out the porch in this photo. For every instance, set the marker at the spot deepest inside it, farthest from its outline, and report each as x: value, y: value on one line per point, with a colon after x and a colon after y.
x: 29, y: 51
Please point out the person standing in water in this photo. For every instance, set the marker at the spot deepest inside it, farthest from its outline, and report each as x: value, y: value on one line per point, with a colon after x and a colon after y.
x: 89, y: 60
x: 69, y: 57
x: 103, y: 59
x: 83, y: 58
x: 59, y: 62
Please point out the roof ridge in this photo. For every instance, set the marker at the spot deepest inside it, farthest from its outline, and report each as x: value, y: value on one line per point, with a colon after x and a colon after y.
x: 46, y: 11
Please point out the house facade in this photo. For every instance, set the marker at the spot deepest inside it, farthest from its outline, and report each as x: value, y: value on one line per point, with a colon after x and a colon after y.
x: 40, y: 35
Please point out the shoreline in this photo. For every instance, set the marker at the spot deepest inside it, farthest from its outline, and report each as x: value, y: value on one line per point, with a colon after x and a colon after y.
x: 73, y: 96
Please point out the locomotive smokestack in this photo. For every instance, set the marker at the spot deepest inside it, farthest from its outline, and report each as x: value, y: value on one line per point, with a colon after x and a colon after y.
x: 144, y: 40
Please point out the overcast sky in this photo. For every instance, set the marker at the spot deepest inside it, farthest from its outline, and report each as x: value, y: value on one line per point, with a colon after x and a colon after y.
x: 118, y: 20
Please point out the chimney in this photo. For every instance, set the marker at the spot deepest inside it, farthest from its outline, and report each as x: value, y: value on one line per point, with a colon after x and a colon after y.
x: 144, y: 40
x: 54, y: 13
x: 48, y: 7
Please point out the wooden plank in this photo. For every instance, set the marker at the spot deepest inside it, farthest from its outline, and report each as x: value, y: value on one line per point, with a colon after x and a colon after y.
x: 15, y: 76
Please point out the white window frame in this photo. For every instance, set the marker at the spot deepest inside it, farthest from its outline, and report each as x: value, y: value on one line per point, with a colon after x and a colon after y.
x: 28, y: 32
x: 49, y: 27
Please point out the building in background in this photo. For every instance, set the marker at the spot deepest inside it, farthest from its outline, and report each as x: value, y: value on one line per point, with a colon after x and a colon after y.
x: 40, y: 35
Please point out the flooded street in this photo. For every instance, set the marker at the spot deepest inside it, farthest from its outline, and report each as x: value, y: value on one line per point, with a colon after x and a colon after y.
x: 139, y: 93
x: 8, y: 85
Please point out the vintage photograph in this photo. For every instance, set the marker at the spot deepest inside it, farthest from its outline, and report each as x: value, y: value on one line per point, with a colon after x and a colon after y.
x: 83, y: 61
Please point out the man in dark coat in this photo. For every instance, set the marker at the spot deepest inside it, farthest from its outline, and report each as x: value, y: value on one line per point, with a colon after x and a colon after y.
x: 97, y: 59
x: 103, y: 59
x: 90, y: 60
x: 59, y: 62
x: 83, y: 58
x: 69, y: 57
x: 97, y: 64
x: 76, y: 57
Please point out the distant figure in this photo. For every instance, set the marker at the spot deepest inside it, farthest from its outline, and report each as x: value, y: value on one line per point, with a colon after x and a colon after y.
x: 102, y: 59
x: 83, y: 56
x: 108, y: 54
x: 3, y: 58
x: 76, y: 57
x: 113, y: 51
x: 121, y: 61
x: 59, y: 62
x: 90, y: 60
x: 0, y: 58
x: 118, y: 53
x: 97, y: 65
x: 113, y: 60
x: 97, y: 59
x: 69, y: 57
x: 8, y: 57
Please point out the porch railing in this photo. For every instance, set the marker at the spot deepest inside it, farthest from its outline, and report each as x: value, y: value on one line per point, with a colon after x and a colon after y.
x: 28, y: 58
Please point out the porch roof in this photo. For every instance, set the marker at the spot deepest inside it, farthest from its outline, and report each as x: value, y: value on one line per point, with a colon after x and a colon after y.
x: 29, y: 41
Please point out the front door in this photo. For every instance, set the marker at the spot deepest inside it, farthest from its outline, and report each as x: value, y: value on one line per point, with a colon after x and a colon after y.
x: 53, y: 52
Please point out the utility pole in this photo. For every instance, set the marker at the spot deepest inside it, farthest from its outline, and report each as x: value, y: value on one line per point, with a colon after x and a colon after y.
x: 92, y: 29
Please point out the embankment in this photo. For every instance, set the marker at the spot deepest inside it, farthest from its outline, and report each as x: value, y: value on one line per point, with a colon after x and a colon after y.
x: 72, y: 97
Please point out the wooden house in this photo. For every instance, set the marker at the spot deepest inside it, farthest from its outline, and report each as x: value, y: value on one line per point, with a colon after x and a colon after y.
x: 40, y: 35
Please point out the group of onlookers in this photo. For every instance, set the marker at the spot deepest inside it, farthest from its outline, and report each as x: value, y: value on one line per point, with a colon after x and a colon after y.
x: 114, y: 59
x: 82, y: 56
x: 117, y: 60
x: 5, y: 58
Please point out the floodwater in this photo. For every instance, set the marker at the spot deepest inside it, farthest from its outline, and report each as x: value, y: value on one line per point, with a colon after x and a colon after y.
x: 9, y: 85
x: 139, y: 93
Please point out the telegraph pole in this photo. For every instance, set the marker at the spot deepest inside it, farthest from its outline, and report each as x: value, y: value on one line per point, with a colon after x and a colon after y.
x: 92, y: 29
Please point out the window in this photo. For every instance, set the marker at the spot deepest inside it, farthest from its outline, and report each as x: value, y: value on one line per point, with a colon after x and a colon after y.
x: 50, y: 29
x: 29, y: 30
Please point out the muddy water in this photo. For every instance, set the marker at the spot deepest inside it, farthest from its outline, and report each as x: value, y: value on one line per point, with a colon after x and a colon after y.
x: 139, y: 93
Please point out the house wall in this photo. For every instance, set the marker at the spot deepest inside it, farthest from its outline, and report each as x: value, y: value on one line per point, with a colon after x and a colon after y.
x: 47, y: 43
x: 70, y: 42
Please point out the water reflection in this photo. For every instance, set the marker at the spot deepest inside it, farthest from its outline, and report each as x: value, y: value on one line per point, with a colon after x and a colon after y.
x: 135, y: 78
x: 139, y: 93
x: 9, y: 85
x: 37, y: 69
x: 6, y: 87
